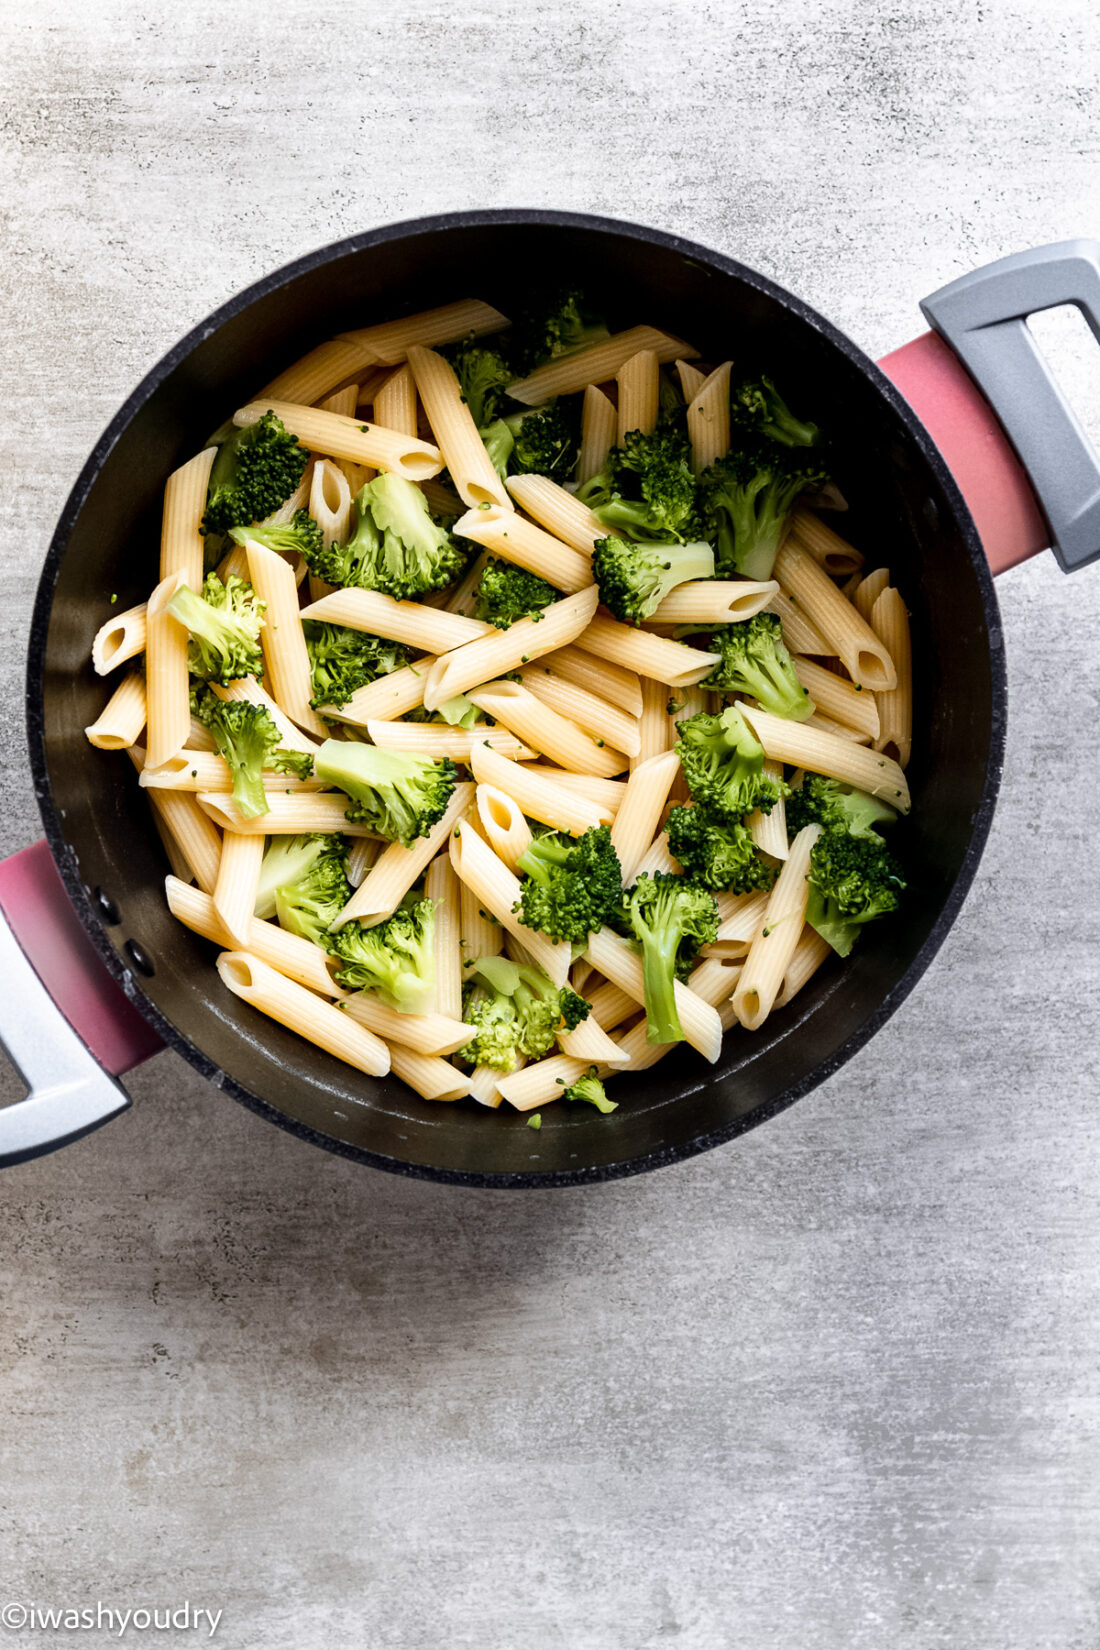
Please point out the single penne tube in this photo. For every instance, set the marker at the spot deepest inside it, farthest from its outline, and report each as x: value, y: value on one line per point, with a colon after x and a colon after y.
x: 397, y: 867
x: 197, y: 841
x: 657, y: 858
x: 840, y: 730
x: 498, y: 889
x: 441, y: 886
x: 604, y: 794
x: 337, y: 437
x: 385, y: 700
x: 233, y: 565
x: 120, y: 639
x: 691, y: 379
x: 539, y: 1083
x: 773, y: 946
x: 246, y: 688
x: 826, y: 546
x: 599, y: 427
x: 194, y: 770
x: 318, y: 373
x: 508, y: 535
x: 495, y: 655
x: 542, y: 729
x: 395, y: 402
x: 414, y: 623
x: 181, y: 539
x: 654, y: 728
x: 237, y: 885
x: 848, y: 633
x: 388, y: 341
x: 464, y: 453
x: 808, y: 747
x: 715, y: 601
x: 436, y: 739
x: 713, y: 979
x: 167, y: 679
x: 809, y: 954
x: 286, y: 658
x: 708, y: 419
x: 593, y: 714
x: 371, y: 380
x: 588, y: 1041
x: 799, y: 634
x: 288, y: 813
x: 850, y: 586
x: 299, y: 959
x: 655, y: 656
x: 598, y: 677
x: 636, y: 823
x: 610, y: 1005
x: 463, y: 599
x: 362, y: 854
x: 615, y: 958
x: 842, y: 701
x: 503, y: 825
x: 638, y: 1053
x: 200, y: 739
x: 869, y: 589
x: 769, y: 830
x: 437, y: 1033
x: 343, y: 401
x: 557, y: 510
x: 539, y: 796
x: 484, y: 1084
x: 890, y: 620
x: 726, y: 951
x: 481, y: 936
x: 740, y: 916
x: 320, y: 1022
x: 119, y: 723
x: 330, y: 501
x: 430, y: 1077
x: 595, y: 364
x: 638, y: 381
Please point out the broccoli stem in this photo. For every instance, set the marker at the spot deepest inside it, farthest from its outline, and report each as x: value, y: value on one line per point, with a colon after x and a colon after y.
x: 659, y: 982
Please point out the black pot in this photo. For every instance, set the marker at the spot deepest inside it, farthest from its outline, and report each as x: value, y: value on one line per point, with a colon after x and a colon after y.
x: 907, y: 510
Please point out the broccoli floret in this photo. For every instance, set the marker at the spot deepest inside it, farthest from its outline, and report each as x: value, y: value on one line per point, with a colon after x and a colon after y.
x: 498, y: 441
x: 256, y: 469
x: 299, y: 536
x: 634, y: 579
x: 310, y: 903
x: 838, y: 807
x: 591, y: 1089
x: 225, y: 623
x: 755, y: 662
x: 483, y: 377
x: 458, y: 712
x: 745, y: 499
x: 517, y: 1011
x: 342, y: 660
x: 550, y: 324
x: 724, y: 765
x: 669, y: 917
x: 853, y: 880
x: 545, y: 441
x: 507, y: 593
x: 716, y: 852
x: 646, y: 489
x: 757, y: 407
x: 571, y: 886
x: 248, y: 739
x: 287, y: 860
x: 398, y: 795
x: 395, y: 958
x: 396, y: 547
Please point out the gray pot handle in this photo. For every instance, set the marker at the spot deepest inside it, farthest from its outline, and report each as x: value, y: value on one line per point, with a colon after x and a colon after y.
x: 983, y: 317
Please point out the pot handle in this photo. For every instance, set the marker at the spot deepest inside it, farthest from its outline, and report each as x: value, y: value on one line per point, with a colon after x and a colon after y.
x: 67, y: 1026
x: 981, y: 377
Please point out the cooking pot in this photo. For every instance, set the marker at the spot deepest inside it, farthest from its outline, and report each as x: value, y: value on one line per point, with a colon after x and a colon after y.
x: 943, y: 450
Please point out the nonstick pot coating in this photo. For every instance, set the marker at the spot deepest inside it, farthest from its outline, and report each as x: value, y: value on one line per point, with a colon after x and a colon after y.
x: 906, y: 513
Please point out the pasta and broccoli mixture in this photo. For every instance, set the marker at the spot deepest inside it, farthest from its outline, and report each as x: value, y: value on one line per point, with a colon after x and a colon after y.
x: 508, y: 709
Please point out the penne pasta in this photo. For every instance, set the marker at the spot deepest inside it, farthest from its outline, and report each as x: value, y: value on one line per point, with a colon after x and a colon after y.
x: 595, y: 364
x: 895, y: 735
x: 538, y: 1084
x: 470, y: 467
x: 397, y: 867
x: 197, y: 841
x: 599, y: 426
x: 588, y: 1041
x: 691, y: 379
x: 839, y: 730
x: 615, y: 958
x: 430, y: 1077
x: 330, y: 502
x: 540, y: 795
x: 544, y: 731
x: 288, y: 813
x: 657, y: 858
x: 605, y: 794
x: 869, y: 589
x: 119, y: 640
x: 299, y: 959
x: 839, y: 699
x: 655, y: 733
x: 119, y: 723
x: 635, y: 824
x: 167, y: 679
x: 599, y: 678
x: 395, y: 402
x: 848, y: 633
x: 654, y: 656
x: 389, y: 341
x: 386, y: 699
x: 502, y: 824
x: 414, y: 623
x: 708, y: 419
x: 195, y: 770
x: 610, y: 1005
x: 238, y: 883
x: 808, y: 747
x: 480, y: 936
x: 495, y: 655
x: 181, y: 539
x: 342, y: 401
x: 809, y: 954
x: 558, y: 511
x: 773, y: 947
x: 286, y: 659
x: 338, y: 437
x: 769, y: 831
x: 361, y: 856
x: 432, y: 1034
x: 638, y: 381
x: 498, y: 890
x: 320, y: 1022
x: 508, y: 535
x: 247, y: 688
x: 835, y: 554
x: 715, y: 601
x: 441, y: 885
x: 318, y: 373
x: 798, y: 633
x: 740, y: 916
x: 588, y: 710
x: 436, y: 739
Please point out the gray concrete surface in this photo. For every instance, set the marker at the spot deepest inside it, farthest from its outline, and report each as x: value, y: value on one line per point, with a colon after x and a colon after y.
x: 835, y: 1386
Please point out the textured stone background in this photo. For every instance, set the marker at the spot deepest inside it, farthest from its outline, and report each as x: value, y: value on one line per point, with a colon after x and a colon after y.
x: 834, y: 1386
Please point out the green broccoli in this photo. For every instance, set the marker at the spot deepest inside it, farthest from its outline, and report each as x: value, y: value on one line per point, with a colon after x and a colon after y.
x: 398, y: 795
x: 716, y: 852
x: 757, y: 407
x: 724, y: 765
x: 745, y: 499
x: 588, y: 1087
x: 669, y: 918
x: 498, y: 441
x: 300, y: 536
x: 395, y: 958
x: 310, y: 903
x: 483, y: 377
x: 287, y: 860
x: 571, y: 886
x: 551, y: 324
x: 838, y: 807
x: 853, y: 880
x: 255, y: 471
x: 646, y: 489
x: 248, y: 739
x: 458, y: 712
x: 507, y: 593
x: 754, y: 661
x: 634, y: 579
x: 545, y: 440
x: 342, y: 660
x: 396, y: 547
x: 225, y: 623
x: 517, y: 1011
